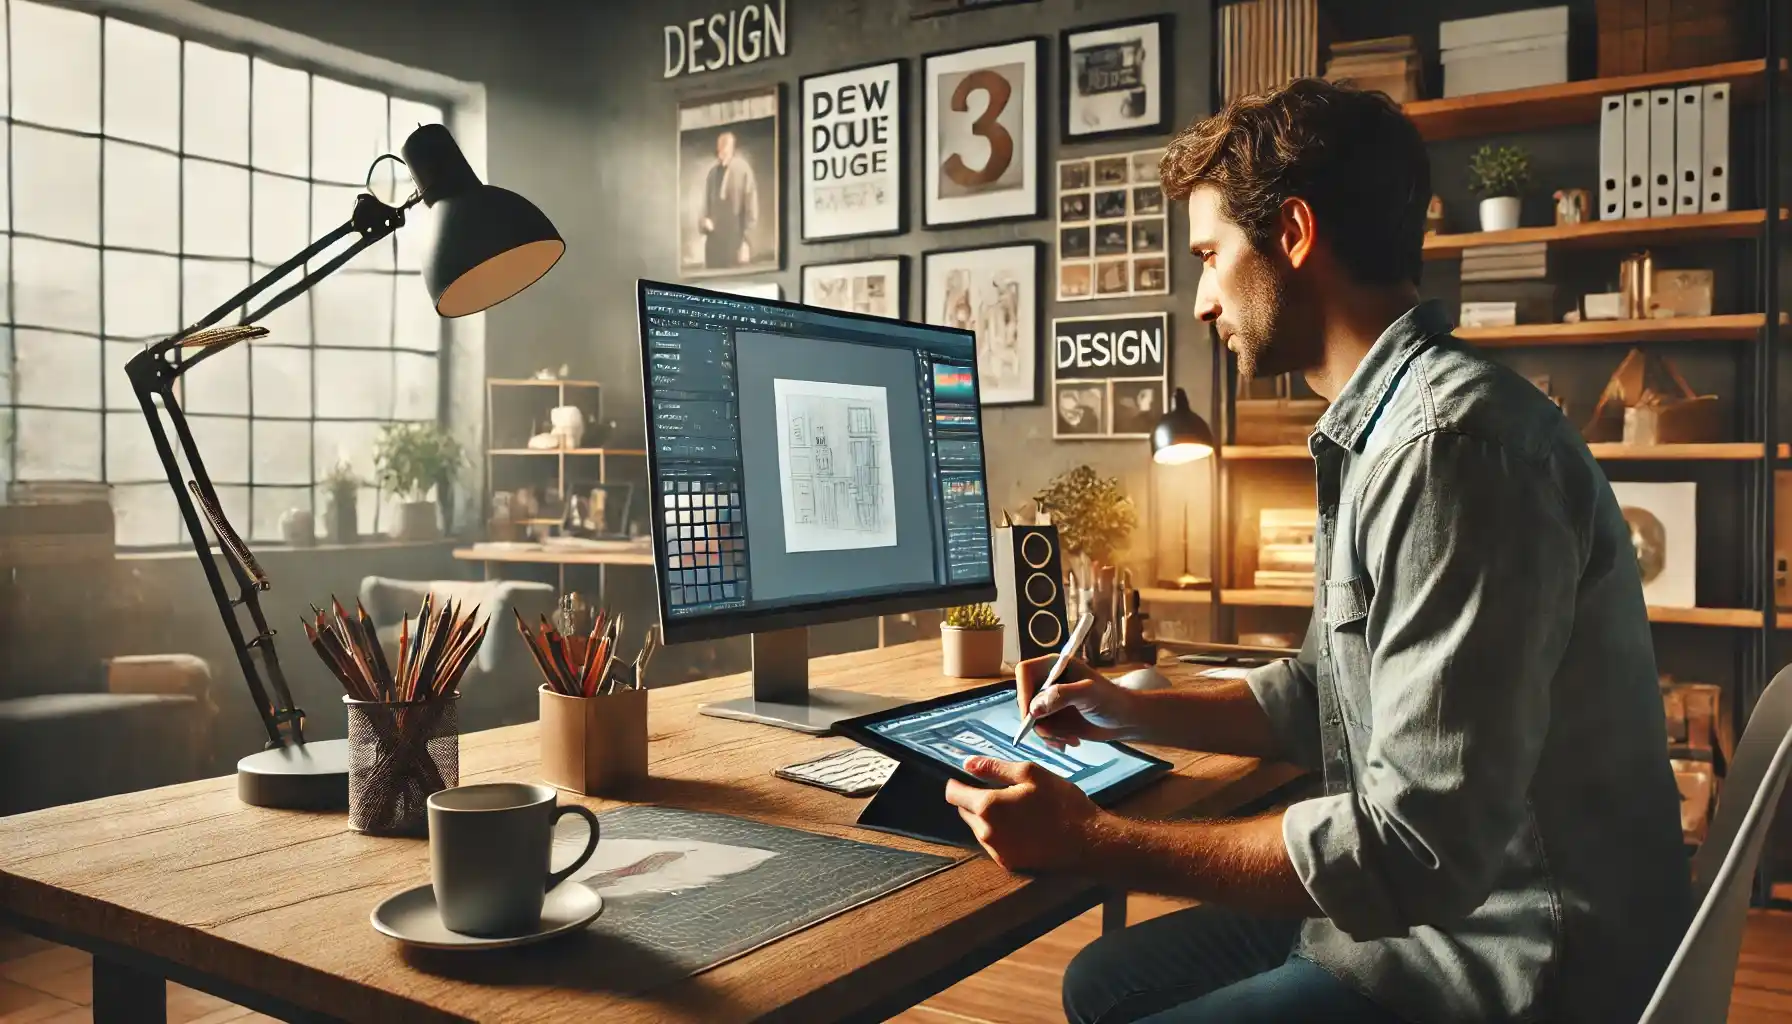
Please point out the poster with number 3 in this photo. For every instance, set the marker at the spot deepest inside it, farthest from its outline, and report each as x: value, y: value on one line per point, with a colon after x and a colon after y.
x: 982, y: 136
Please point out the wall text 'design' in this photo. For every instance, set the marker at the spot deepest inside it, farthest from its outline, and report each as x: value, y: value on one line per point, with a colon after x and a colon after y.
x: 725, y: 39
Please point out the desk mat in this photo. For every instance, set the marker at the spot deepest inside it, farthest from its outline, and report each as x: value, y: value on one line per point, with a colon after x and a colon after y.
x: 693, y: 889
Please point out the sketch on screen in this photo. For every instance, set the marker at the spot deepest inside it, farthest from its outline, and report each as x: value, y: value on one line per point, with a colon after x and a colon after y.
x: 834, y: 465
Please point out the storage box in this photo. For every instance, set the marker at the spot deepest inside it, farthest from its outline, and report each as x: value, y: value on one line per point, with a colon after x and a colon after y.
x: 1514, y: 50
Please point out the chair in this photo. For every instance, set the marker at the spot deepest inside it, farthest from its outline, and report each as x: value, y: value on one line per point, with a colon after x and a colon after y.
x: 499, y: 687
x: 1699, y: 980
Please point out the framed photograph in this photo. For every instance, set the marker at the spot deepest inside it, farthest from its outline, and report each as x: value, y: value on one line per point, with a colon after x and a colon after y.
x: 1110, y: 374
x: 1116, y: 79
x: 729, y: 220
x: 876, y: 286
x: 749, y: 289
x: 919, y: 9
x: 1663, y: 521
x: 853, y: 152
x: 994, y: 292
x: 1113, y: 227
x: 984, y: 123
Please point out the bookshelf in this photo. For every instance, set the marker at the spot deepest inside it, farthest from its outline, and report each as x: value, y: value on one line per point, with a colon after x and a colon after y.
x: 1680, y: 229
x: 1717, y: 451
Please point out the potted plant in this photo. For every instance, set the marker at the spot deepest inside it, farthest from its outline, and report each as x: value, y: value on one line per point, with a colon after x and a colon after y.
x: 1499, y: 175
x: 412, y: 459
x: 1093, y: 515
x: 971, y: 642
x: 343, y: 488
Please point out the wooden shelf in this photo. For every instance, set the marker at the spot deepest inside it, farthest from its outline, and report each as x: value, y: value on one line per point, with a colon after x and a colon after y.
x: 1552, y: 106
x: 1733, y: 327
x: 1717, y: 451
x: 1251, y: 452
x: 1738, y: 618
x: 532, y: 382
x: 566, y: 451
x: 554, y: 556
x: 1269, y: 597
x: 1609, y: 234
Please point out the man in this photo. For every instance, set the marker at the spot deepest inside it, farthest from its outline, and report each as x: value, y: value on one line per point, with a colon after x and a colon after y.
x: 1498, y: 836
x: 730, y: 208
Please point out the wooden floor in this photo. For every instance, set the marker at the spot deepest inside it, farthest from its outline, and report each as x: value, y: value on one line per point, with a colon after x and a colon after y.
x: 42, y: 983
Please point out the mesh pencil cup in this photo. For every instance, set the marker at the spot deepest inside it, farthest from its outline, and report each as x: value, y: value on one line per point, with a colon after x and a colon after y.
x: 400, y: 753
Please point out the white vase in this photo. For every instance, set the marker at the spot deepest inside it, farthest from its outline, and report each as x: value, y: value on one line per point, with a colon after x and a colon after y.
x: 568, y: 424
x: 1499, y: 213
x: 417, y: 522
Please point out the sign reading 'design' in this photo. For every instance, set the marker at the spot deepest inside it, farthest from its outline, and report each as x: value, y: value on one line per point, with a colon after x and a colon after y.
x: 1097, y: 348
x: 747, y: 35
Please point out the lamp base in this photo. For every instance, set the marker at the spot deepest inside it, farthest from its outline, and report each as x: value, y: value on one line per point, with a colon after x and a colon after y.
x: 307, y: 776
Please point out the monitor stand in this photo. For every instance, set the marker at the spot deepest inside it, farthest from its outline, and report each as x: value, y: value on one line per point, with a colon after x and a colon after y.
x: 781, y: 693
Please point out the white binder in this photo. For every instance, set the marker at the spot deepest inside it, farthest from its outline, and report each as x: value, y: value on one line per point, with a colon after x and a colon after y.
x: 1689, y: 148
x: 1611, y: 156
x: 1661, y: 153
x: 1636, y: 154
x: 1716, y: 183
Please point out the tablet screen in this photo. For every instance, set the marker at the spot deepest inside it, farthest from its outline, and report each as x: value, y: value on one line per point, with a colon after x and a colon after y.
x: 986, y: 724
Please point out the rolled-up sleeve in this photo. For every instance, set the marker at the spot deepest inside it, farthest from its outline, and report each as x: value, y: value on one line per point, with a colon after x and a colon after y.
x: 1474, y: 562
x: 1286, y: 691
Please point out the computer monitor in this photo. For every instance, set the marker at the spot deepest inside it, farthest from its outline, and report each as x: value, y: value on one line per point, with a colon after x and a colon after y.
x: 807, y: 466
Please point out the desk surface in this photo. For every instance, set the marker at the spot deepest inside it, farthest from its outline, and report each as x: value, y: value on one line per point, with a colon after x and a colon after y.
x: 278, y: 901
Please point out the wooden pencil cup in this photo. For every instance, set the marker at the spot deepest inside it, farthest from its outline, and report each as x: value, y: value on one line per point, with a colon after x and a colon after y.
x: 593, y: 746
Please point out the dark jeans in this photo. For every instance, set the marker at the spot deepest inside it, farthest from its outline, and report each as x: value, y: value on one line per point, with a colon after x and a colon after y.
x: 1208, y: 964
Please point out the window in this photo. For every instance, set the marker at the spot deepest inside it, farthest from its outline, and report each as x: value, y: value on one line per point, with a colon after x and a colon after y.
x: 147, y: 179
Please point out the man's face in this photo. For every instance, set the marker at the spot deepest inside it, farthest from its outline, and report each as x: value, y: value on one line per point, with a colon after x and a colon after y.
x: 1252, y: 297
x: 725, y: 147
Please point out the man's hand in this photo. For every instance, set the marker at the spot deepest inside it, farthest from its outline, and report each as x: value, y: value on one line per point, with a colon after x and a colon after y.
x: 1082, y: 705
x: 1038, y: 821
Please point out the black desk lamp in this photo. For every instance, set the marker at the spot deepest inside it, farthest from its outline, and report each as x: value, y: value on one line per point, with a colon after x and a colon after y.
x: 1181, y: 437
x: 491, y: 243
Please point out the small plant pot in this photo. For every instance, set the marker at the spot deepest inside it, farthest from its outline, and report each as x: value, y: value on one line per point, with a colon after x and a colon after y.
x: 417, y: 521
x: 971, y: 653
x: 593, y: 746
x: 1499, y: 213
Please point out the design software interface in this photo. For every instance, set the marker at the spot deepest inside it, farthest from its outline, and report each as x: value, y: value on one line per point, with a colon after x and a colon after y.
x: 802, y: 456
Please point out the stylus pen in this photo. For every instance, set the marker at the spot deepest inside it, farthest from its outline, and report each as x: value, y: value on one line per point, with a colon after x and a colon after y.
x: 1071, y: 646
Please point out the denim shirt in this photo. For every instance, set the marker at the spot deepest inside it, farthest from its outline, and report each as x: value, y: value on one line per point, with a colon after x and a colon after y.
x: 1499, y: 835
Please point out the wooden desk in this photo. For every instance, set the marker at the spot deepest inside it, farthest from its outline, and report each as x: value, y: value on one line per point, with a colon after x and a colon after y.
x: 269, y: 908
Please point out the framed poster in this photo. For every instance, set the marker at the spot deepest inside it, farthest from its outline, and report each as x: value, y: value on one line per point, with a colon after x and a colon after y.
x: 729, y: 221
x: 1663, y: 521
x: 983, y: 120
x: 853, y: 152
x: 1113, y: 227
x: 919, y: 9
x: 877, y: 286
x: 1116, y: 79
x: 751, y: 289
x: 1110, y: 374
x: 994, y: 292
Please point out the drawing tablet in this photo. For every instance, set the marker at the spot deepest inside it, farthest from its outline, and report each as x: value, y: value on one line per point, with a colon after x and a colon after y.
x: 939, y: 734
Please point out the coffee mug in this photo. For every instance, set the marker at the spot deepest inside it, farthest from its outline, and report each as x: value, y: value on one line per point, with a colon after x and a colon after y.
x: 489, y: 850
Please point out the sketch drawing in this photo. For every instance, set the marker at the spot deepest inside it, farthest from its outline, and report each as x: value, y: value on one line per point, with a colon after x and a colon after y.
x: 834, y: 465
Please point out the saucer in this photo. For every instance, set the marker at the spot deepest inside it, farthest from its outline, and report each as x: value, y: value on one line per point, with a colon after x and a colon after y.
x: 411, y: 918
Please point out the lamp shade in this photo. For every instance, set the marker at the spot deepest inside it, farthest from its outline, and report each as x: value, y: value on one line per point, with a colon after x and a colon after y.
x: 490, y: 242
x: 1182, y: 435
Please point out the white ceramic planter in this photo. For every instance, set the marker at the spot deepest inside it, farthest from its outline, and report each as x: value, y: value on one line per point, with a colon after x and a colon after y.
x: 417, y: 521
x: 1499, y: 213
x: 971, y: 653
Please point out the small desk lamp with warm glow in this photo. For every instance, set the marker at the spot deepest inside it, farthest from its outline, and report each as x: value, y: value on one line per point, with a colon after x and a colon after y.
x: 490, y: 244
x: 1181, y: 437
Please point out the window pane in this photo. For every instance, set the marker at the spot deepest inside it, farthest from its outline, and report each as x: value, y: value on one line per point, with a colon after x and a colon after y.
x: 281, y: 115
x: 416, y: 238
x: 378, y: 512
x: 418, y: 327
x: 142, y: 295
x: 146, y: 514
x: 119, y: 394
x: 55, y: 66
x: 142, y: 198
x: 220, y: 384
x: 354, y: 309
x: 282, y: 380
x: 5, y: 157
x: 418, y: 382
x: 291, y: 323
x: 131, y: 452
x: 269, y: 504
x: 333, y: 442
x: 408, y: 116
x: 215, y: 214
x: 6, y: 391
x: 216, y: 104
x: 61, y: 370
x: 57, y: 285
x: 223, y: 443
x: 282, y: 452
x: 330, y: 206
x: 55, y: 444
x: 57, y: 178
x: 6, y: 443
x: 348, y: 130
x: 282, y: 227
x: 354, y: 385
x: 142, y: 84
x: 204, y: 284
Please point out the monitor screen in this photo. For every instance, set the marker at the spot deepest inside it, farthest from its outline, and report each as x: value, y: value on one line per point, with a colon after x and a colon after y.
x: 808, y: 465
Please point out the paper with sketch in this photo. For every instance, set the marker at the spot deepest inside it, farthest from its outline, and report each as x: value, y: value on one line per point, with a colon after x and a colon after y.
x: 834, y: 465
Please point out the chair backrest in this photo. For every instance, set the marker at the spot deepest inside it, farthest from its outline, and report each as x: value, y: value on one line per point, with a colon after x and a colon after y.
x: 1698, y: 982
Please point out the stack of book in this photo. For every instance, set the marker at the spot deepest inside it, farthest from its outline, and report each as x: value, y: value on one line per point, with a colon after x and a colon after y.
x: 1390, y: 64
x: 1285, y: 548
x: 1504, y: 285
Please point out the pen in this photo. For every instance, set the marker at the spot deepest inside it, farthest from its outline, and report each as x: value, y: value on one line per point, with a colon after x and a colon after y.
x: 1071, y: 646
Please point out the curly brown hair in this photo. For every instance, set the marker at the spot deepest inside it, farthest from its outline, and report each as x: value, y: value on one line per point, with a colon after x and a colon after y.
x: 1352, y: 155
